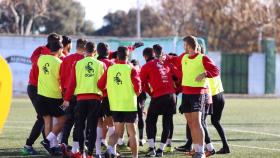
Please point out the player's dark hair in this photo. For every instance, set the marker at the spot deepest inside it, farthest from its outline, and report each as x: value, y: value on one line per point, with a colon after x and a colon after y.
x: 122, y: 53
x: 149, y: 53
x: 157, y: 49
x: 66, y: 40
x: 172, y: 54
x: 90, y: 47
x: 52, y: 38
x: 81, y: 43
x: 134, y: 62
x: 55, y: 46
x: 102, y: 50
x: 191, y: 41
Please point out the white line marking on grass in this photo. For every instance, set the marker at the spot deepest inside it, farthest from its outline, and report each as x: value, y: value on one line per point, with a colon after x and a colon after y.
x: 253, y: 132
x: 252, y: 147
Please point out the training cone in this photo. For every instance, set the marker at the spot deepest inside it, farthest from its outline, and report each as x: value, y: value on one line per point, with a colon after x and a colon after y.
x: 5, y: 91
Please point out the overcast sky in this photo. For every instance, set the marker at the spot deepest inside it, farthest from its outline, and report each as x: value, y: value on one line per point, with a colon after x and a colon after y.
x: 97, y: 9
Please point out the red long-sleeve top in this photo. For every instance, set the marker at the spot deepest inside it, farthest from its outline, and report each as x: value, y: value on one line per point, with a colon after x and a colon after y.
x: 211, y: 71
x: 72, y: 86
x: 34, y: 71
x: 108, y: 63
x: 135, y: 78
x: 66, y: 67
x: 157, y: 78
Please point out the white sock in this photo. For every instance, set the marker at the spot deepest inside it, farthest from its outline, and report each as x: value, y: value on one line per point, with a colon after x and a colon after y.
x: 98, y: 141
x: 169, y: 141
x: 59, y: 137
x: 111, y: 131
x: 198, y: 148
x: 195, y: 147
x: 50, y: 138
x: 54, y: 143
x: 111, y: 150
x: 151, y: 143
x: 162, y: 146
x: 121, y: 141
x: 75, y: 147
x: 210, y: 147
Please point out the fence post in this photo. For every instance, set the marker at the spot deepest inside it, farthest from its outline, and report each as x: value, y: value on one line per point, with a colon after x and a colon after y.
x: 269, y: 48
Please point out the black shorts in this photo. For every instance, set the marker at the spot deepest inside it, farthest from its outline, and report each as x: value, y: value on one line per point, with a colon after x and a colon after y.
x: 32, y: 93
x: 124, y: 117
x: 50, y: 106
x: 165, y: 104
x: 105, y: 108
x: 193, y: 103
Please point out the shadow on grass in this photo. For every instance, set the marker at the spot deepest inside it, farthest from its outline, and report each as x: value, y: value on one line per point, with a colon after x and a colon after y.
x: 16, y: 152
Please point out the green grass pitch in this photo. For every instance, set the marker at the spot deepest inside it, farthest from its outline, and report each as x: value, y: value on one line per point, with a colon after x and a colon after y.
x: 252, y: 127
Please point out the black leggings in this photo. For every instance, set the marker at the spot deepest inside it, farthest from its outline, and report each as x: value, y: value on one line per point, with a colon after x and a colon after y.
x: 87, y: 110
x: 140, y: 109
x: 70, y: 122
x: 171, y: 129
x: 38, y: 126
x: 151, y: 126
x: 218, y: 106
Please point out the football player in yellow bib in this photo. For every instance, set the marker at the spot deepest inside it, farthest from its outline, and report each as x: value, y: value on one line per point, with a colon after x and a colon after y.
x: 5, y: 91
x: 50, y: 96
x: 123, y: 85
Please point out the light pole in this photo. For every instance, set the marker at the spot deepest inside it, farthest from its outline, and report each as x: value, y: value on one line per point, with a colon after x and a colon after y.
x: 138, y: 17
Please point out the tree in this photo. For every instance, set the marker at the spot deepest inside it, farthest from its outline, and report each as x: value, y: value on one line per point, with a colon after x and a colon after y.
x: 17, y: 16
x: 176, y: 13
x: 123, y: 24
x: 63, y: 19
x: 43, y: 16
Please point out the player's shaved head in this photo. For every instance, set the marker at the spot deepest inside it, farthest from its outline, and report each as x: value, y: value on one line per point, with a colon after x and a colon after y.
x: 90, y: 47
x: 81, y: 43
x: 148, y: 53
x: 122, y: 53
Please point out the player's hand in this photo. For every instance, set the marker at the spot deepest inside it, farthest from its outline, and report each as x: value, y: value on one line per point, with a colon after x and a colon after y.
x: 64, y: 105
x: 138, y: 44
x: 200, y: 77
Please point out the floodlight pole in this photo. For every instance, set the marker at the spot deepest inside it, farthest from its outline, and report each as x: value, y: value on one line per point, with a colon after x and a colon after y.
x: 138, y: 25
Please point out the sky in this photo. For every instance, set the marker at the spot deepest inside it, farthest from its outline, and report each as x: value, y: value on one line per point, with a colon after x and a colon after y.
x: 97, y: 9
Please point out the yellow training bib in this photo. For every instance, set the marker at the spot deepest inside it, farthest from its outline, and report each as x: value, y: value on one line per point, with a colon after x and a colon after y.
x: 5, y: 91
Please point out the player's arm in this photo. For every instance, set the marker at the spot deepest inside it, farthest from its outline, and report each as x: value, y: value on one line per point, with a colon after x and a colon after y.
x: 211, y: 70
x: 61, y: 74
x: 144, y: 78
x: 71, y: 87
x: 101, y: 84
x: 35, y: 55
x: 136, y: 81
x: 113, y: 54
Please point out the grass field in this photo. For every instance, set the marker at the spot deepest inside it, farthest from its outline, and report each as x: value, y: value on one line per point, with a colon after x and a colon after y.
x: 252, y: 127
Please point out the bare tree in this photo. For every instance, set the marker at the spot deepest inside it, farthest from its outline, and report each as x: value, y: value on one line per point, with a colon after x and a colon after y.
x: 24, y: 12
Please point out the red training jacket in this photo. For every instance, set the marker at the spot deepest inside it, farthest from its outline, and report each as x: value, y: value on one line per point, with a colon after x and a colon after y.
x: 34, y: 71
x: 157, y: 78
x: 66, y: 67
